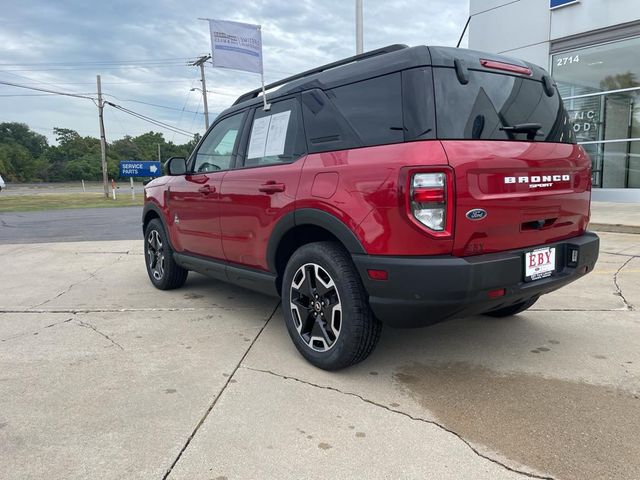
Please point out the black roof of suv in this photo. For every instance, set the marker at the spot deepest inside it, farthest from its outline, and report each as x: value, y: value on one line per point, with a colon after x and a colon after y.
x: 393, y: 58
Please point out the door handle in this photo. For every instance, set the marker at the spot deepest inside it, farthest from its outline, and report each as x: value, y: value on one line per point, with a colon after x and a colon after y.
x: 271, y: 187
x: 206, y: 190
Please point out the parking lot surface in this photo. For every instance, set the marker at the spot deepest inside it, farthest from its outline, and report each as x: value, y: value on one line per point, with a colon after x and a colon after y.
x: 104, y: 377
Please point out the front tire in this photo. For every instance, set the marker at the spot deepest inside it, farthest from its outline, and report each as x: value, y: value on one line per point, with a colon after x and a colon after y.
x: 326, y: 309
x: 164, y: 272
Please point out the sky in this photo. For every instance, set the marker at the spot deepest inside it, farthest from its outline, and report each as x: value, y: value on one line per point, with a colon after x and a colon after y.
x: 141, y: 49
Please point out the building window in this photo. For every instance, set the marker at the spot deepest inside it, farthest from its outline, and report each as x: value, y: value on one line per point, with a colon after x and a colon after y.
x: 600, y: 86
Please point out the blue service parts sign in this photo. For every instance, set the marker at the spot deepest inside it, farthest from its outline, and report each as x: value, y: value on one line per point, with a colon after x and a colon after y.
x: 561, y: 3
x: 140, y: 168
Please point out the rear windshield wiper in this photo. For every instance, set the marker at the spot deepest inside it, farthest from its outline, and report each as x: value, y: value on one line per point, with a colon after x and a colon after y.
x: 531, y: 129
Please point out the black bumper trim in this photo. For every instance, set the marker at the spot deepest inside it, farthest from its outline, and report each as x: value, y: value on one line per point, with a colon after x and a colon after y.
x: 425, y: 290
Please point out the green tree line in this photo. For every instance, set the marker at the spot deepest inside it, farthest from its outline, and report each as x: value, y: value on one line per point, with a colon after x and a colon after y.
x: 26, y: 156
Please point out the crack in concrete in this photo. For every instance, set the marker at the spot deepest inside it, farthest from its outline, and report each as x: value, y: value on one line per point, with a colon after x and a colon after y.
x: 620, y: 254
x: 102, y: 334
x: 65, y: 291
x: 217, y: 397
x: 399, y: 412
x: 628, y: 305
x: 91, y: 275
x: 20, y: 335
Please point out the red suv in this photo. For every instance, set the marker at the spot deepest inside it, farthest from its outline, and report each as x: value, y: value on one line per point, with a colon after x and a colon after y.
x: 402, y: 186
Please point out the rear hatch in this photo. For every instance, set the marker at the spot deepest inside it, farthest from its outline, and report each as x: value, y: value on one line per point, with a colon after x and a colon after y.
x: 520, y: 179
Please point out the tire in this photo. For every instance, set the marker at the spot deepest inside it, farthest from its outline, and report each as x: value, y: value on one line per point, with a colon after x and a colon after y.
x: 163, y: 271
x: 320, y: 281
x: 512, y: 309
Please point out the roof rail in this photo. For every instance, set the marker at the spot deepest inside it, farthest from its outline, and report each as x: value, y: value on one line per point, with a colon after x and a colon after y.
x: 328, y: 66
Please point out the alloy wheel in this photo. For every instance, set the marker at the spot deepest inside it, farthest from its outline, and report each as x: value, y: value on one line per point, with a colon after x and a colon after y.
x: 155, y: 254
x: 315, y: 307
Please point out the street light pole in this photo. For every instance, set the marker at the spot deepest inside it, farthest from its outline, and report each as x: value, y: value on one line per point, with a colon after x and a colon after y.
x: 359, y: 28
x: 200, y: 63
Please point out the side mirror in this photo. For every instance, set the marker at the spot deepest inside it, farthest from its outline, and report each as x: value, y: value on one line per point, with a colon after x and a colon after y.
x: 176, y: 166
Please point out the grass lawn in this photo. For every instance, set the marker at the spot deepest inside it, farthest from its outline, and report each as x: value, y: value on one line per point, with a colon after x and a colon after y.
x: 59, y: 201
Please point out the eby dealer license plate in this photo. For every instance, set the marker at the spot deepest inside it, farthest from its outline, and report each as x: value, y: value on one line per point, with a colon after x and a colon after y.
x: 539, y: 263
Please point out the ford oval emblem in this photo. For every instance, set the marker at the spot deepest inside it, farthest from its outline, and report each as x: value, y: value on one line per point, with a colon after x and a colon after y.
x: 476, y: 214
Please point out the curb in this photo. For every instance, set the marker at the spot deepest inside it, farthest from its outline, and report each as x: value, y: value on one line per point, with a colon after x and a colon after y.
x: 614, y: 228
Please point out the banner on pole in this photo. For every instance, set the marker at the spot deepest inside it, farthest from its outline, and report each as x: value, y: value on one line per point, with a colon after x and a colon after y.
x: 236, y: 45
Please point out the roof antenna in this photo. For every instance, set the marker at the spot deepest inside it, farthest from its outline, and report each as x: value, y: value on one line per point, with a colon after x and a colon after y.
x: 463, y: 31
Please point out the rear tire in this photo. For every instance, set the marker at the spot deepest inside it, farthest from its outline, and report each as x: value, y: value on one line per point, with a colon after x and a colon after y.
x: 326, y: 309
x: 163, y: 271
x: 512, y: 309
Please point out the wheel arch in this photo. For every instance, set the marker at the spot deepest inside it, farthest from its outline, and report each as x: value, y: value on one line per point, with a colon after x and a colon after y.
x: 302, y: 227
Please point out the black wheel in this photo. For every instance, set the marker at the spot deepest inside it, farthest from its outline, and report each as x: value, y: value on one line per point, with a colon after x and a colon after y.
x: 326, y: 309
x: 163, y: 271
x: 512, y: 309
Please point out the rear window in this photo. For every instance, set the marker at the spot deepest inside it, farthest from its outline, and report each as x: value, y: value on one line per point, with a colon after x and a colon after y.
x: 490, y: 102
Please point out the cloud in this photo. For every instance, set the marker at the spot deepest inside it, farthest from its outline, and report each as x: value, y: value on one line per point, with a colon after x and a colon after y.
x: 63, y: 45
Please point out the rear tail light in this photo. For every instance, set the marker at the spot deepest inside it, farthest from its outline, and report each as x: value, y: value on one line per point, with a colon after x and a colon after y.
x: 428, y: 199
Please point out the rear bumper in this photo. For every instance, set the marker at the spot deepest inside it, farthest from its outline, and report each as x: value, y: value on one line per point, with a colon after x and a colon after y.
x: 420, y: 291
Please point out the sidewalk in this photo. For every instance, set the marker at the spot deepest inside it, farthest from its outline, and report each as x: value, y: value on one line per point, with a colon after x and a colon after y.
x: 615, y: 217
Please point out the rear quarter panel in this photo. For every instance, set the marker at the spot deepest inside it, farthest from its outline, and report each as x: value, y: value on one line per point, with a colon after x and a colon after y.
x: 366, y: 196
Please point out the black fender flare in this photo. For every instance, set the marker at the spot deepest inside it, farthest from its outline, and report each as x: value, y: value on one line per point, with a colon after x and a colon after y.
x: 148, y: 207
x: 311, y: 216
x: 152, y: 207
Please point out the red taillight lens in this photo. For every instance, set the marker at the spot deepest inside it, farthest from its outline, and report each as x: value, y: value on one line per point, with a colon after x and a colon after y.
x: 507, y: 67
x: 428, y: 193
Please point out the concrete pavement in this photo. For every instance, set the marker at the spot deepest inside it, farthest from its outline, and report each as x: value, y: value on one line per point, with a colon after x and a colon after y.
x: 102, y: 376
x: 615, y: 217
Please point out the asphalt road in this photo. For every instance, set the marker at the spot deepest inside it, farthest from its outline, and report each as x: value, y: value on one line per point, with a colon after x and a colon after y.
x: 104, y: 377
x: 73, y: 225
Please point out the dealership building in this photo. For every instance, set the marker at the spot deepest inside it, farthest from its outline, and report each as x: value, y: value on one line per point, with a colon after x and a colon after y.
x: 592, y: 49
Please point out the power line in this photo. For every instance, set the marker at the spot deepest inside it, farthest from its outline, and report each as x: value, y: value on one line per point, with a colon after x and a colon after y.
x: 148, y: 103
x: 107, y: 67
x: 158, y: 123
x: 66, y: 94
x: 97, y: 62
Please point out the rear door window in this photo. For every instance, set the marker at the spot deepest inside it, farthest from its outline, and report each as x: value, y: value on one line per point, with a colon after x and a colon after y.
x: 276, y: 135
x: 489, y: 102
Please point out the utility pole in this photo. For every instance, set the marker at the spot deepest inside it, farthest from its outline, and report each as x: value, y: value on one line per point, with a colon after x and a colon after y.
x: 159, y: 157
x: 359, y: 28
x: 103, y: 142
x: 200, y: 63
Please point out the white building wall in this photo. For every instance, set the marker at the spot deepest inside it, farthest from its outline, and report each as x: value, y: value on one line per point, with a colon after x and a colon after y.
x: 591, y: 15
x: 524, y: 28
x: 518, y: 29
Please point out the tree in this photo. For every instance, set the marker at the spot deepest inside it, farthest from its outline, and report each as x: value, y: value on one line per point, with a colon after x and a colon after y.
x: 17, y: 163
x: 20, y: 134
x: 75, y: 149
x: 26, y: 156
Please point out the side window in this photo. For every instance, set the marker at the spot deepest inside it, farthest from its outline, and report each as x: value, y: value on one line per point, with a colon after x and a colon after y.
x: 216, y: 151
x: 276, y: 135
x: 373, y: 108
